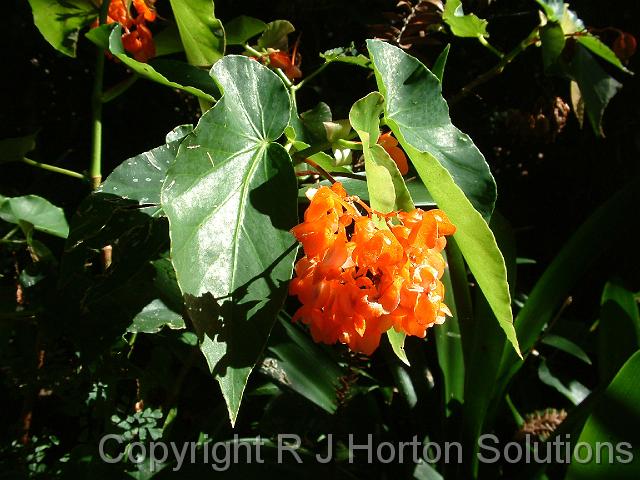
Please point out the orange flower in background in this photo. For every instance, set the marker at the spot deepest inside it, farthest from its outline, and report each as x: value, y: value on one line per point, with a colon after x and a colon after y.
x: 146, y: 9
x: 137, y: 39
x: 390, y: 144
x: 362, y: 275
x: 289, y: 63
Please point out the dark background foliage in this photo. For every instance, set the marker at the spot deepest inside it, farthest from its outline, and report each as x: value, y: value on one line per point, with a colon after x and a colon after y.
x: 547, y: 183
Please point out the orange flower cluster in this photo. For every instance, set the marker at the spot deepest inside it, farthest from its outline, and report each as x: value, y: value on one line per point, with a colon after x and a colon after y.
x: 385, y: 273
x: 137, y: 39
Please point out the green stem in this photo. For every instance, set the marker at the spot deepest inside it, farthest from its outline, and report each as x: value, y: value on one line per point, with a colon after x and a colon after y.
x: 311, y: 75
x: 493, y: 49
x: 95, y: 167
x: 302, y: 155
x: 132, y: 343
x: 284, y: 78
x: 10, y: 234
x: 514, y: 411
x: 253, y: 51
x: 119, y: 88
x: 497, y: 69
x: 347, y: 144
x: 52, y: 168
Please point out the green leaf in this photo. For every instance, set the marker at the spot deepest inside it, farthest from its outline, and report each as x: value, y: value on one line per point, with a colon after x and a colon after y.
x: 418, y: 191
x: 154, y: 317
x: 414, y: 105
x: 170, y: 73
x: 60, y: 21
x: 231, y: 198
x: 201, y: 32
x: 140, y: 178
x: 396, y: 340
x: 575, y: 392
x: 553, y: 9
x: 618, y: 330
x: 482, y: 341
x: 445, y: 158
x: 463, y: 25
x: 243, y: 28
x: 448, y: 338
x: 595, y: 46
x: 387, y: 191
x: 566, y: 345
x: 424, y: 471
x: 168, y: 41
x: 275, y: 35
x: 346, y: 55
x: 552, y: 40
x: 614, y: 420
x: 586, y: 247
x: 37, y: 211
x: 596, y: 86
x: 302, y: 365
x: 15, y: 149
x: 441, y: 62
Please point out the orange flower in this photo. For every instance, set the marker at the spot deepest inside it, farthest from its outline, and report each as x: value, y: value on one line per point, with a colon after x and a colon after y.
x: 146, y: 9
x: 385, y: 273
x: 139, y: 43
x: 137, y: 39
x: 390, y: 144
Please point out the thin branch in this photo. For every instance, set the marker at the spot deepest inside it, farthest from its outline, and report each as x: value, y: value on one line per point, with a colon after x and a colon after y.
x: 321, y: 170
x: 496, y: 70
x: 52, y: 168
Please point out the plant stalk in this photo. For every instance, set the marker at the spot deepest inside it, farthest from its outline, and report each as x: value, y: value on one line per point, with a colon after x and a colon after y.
x: 95, y: 166
x: 52, y: 168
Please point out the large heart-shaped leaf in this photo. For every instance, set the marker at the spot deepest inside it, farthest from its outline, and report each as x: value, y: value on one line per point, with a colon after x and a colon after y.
x: 231, y: 198
x: 201, y: 32
x: 449, y: 164
x: 140, y: 178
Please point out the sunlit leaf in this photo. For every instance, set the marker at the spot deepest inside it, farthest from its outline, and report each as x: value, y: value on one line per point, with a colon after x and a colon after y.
x: 140, y: 178
x: 231, y: 198
x: 154, y: 317
x: 201, y: 32
x: 60, y: 21
x: 387, y: 191
x: 463, y: 25
x: 170, y: 73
